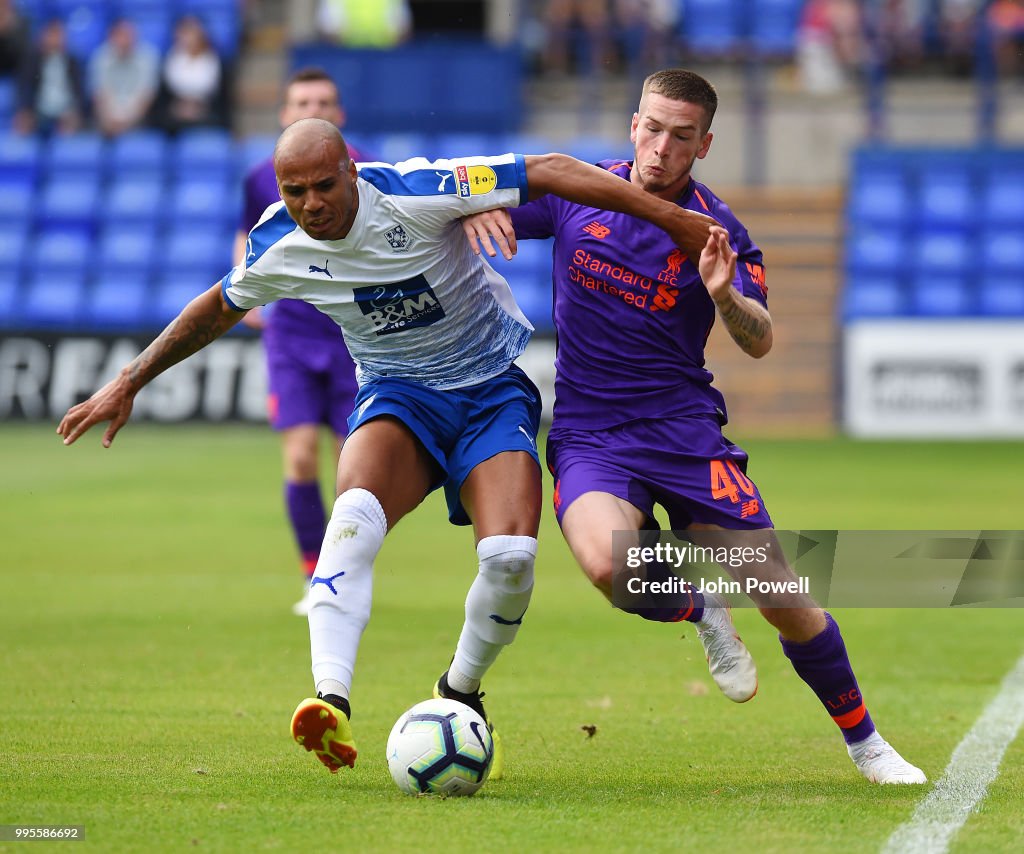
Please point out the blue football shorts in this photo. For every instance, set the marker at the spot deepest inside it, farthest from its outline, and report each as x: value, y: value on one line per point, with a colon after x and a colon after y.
x: 460, y: 428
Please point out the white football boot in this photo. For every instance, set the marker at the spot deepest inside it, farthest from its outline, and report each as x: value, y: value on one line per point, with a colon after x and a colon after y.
x: 876, y: 759
x: 731, y: 665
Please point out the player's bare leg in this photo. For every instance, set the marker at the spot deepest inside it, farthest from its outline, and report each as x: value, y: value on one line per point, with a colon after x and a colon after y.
x: 589, y: 525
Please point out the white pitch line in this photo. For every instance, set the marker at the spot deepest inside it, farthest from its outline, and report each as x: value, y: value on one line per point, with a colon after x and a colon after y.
x: 974, y: 764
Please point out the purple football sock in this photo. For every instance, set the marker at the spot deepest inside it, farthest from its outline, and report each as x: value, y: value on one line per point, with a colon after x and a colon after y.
x: 823, y: 664
x: 306, y: 513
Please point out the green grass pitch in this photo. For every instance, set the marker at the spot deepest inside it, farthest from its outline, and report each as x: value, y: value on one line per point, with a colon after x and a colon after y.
x: 149, y: 665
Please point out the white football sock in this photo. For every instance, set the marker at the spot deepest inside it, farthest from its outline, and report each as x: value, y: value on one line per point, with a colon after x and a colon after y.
x: 495, y: 607
x: 341, y: 588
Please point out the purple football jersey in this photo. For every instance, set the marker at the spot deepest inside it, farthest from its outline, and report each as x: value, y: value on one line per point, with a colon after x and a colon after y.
x: 630, y: 309
x: 288, y: 316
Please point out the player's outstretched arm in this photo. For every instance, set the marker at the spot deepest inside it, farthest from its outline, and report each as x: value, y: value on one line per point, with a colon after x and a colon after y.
x: 204, y: 319
x: 579, y: 182
x: 748, y: 322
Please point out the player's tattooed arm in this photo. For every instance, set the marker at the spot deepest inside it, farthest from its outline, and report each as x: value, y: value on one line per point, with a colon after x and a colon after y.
x: 748, y: 322
x: 204, y: 319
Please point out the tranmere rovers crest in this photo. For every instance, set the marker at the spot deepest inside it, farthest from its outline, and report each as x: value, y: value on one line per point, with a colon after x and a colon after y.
x: 398, y: 239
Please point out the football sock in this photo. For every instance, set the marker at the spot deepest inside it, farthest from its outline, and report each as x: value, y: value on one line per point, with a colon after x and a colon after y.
x: 308, y: 518
x: 686, y: 604
x: 495, y: 606
x: 823, y: 664
x: 342, y: 587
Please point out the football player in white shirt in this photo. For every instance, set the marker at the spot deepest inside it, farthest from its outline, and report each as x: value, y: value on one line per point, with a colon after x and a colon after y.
x: 434, y: 332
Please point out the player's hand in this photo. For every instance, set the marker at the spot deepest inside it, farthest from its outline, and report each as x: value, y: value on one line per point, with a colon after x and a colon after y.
x: 717, y: 264
x: 111, y: 403
x: 481, y: 227
x: 689, y: 230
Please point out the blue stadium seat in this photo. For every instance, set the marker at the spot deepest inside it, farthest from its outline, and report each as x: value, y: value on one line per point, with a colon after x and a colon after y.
x: 1002, y: 199
x: 204, y: 252
x: 224, y: 29
x: 134, y: 201
x: 174, y: 291
x: 1001, y: 296
x: 396, y: 147
x: 155, y: 26
x: 8, y: 100
x: 879, y: 199
x: 117, y: 300
x: 69, y: 202
x: 13, y: 249
x: 713, y: 27
x: 533, y: 295
x: 876, y: 250
x: 592, y: 149
x: 941, y: 295
x: 60, y: 250
x: 773, y: 27
x: 142, y: 152
x: 206, y: 201
x: 366, y: 145
x: 1002, y: 251
x: 19, y: 157
x: 16, y: 200
x: 53, y: 299
x: 874, y: 296
x: 254, y: 149
x: 132, y: 248
x: 204, y: 153
x: 467, y: 144
x: 527, y: 143
x: 940, y: 253
x: 76, y: 154
x: 946, y: 201
x: 10, y: 302
x: 86, y: 23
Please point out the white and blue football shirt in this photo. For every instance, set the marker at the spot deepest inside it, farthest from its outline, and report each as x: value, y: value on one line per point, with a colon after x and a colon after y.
x: 411, y: 298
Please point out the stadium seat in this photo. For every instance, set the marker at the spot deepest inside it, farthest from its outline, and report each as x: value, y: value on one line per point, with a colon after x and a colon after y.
x: 209, y: 202
x: 53, y: 299
x: 533, y: 295
x: 773, y: 27
x: 10, y: 302
x: 876, y: 250
x: 205, y: 253
x: 1002, y: 251
x: 174, y: 291
x: 224, y: 29
x: 117, y: 301
x: 467, y: 144
x: 8, y: 100
x: 526, y: 143
x: 80, y: 153
x: 13, y: 249
x: 60, y: 250
x: 142, y: 152
x: 873, y: 296
x: 396, y: 147
x: 940, y: 295
x: 946, y: 201
x: 135, y: 200
x: 592, y: 149
x: 204, y: 154
x: 254, y: 149
x: 85, y: 22
x: 713, y: 27
x: 879, y: 198
x: 16, y: 200
x: 941, y: 253
x: 155, y: 26
x: 1001, y: 296
x: 71, y: 201
x: 133, y: 248
x: 1002, y: 199
x: 19, y: 157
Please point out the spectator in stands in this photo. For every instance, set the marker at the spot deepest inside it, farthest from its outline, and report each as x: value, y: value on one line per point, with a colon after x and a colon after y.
x: 365, y: 23
x: 14, y: 38
x: 901, y: 29
x: 958, y: 22
x: 1006, y: 24
x: 123, y: 77
x: 648, y: 28
x: 193, y: 85
x: 51, y: 97
x: 830, y: 44
x: 562, y: 18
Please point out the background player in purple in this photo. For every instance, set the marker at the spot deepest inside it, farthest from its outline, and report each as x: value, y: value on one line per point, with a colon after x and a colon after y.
x: 310, y: 373
x: 636, y: 419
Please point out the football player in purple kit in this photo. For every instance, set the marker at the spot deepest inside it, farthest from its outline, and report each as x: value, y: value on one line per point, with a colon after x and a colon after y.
x: 310, y: 373
x: 636, y: 419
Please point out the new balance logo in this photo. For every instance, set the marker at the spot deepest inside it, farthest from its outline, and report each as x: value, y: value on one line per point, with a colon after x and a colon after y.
x: 328, y: 582
x: 595, y: 229
x: 501, y: 621
x: 313, y: 268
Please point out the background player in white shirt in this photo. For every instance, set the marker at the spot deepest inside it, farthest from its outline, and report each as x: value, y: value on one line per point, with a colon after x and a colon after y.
x: 434, y: 331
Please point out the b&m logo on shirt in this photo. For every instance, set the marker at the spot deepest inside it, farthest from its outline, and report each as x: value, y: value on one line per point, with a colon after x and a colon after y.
x: 475, y: 180
x: 400, y: 306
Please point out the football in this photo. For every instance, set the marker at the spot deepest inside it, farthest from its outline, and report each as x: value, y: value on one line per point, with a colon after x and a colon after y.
x: 440, y: 747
